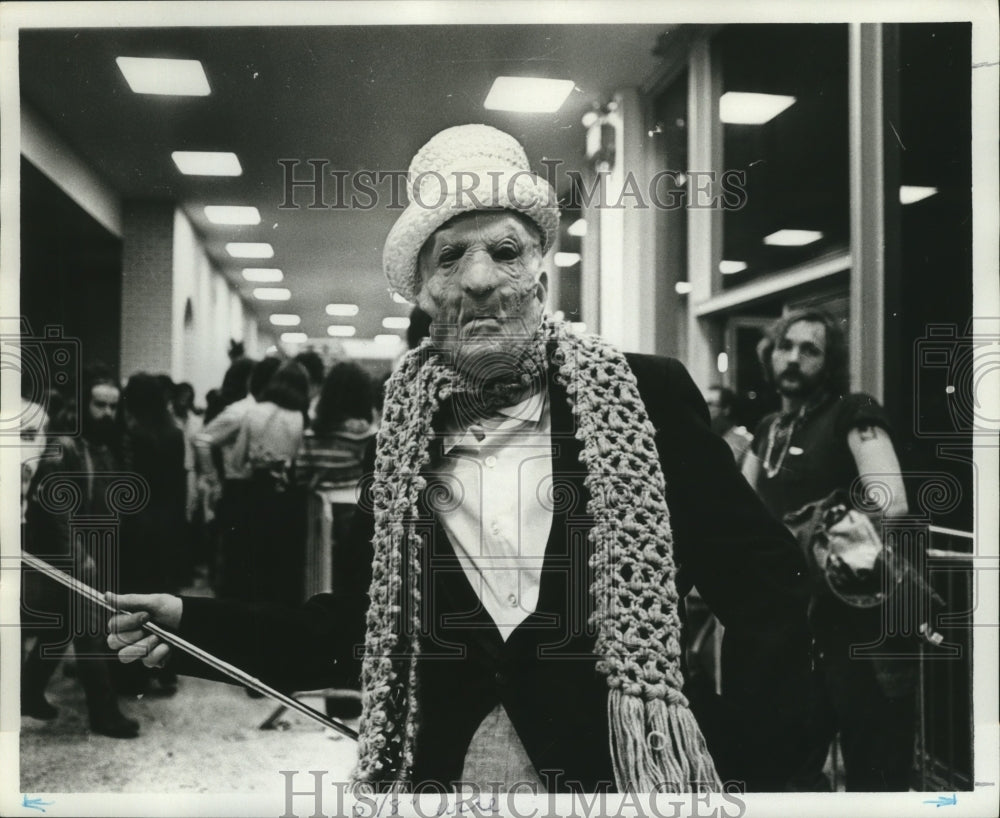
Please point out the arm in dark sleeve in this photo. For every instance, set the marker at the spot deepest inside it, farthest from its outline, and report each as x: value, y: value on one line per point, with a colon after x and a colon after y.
x: 318, y: 644
x: 749, y: 571
x: 313, y: 646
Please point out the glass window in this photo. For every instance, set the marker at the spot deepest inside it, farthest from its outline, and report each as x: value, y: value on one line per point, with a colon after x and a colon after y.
x: 785, y: 130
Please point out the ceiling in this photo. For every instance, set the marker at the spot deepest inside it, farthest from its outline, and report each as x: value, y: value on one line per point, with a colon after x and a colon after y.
x: 358, y: 97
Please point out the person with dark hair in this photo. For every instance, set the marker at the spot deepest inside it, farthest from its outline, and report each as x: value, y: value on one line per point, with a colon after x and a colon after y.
x: 722, y: 410
x: 152, y: 538
x: 329, y: 462
x: 235, y: 385
x: 261, y: 376
x: 824, y: 440
x: 269, y: 438
x: 328, y: 468
x: 316, y: 369
x: 213, y: 404
x: 83, y: 469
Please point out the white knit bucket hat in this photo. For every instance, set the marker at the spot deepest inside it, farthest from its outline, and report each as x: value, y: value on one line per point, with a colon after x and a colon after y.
x: 467, y: 167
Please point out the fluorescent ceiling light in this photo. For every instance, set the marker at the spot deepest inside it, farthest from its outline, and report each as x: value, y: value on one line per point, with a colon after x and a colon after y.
x: 207, y: 163
x: 566, y: 259
x: 232, y: 214
x: 730, y: 267
x: 394, y: 322
x: 340, y: 331
x: 738, y: 108
x: 345, y: 310
x: 578, y: 228
x: 272, y: 294
x: 533, y: 95
x: 294, y: 337
x: 908, y: 194
x: 682, y: 287
x: 388, y: 340
x: 399, y: 299
x: 792, y: 238
x: 180, y: 78
x: 263, y: 275
x: 249, y: 249
x: 285, y: 320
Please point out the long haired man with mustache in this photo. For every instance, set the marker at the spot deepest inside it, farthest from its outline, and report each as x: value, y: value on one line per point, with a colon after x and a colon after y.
x: 825, y: 439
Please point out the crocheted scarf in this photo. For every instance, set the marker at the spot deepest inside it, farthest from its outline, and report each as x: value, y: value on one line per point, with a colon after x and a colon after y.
x: 655, y: 740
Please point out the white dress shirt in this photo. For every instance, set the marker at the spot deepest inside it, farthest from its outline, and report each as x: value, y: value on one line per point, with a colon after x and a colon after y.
x: 499, y: 477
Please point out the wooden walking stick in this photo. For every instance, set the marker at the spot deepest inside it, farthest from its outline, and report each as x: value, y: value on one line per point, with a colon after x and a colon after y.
x: 244, y: 678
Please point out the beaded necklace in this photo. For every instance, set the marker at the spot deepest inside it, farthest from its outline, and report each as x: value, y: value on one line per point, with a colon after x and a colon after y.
x: 779, y: 422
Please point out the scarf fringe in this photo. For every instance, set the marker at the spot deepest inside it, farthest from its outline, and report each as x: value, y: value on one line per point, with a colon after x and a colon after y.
x: 657, y: 746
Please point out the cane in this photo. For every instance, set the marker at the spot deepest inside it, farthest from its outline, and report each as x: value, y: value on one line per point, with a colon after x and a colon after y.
x: 244, y: 678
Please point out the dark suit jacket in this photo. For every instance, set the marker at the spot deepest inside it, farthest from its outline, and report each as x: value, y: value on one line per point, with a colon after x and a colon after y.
x: 747, y: 567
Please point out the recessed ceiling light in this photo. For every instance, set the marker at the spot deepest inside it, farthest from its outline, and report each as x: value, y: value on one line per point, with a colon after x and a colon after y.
x: 792, y: 238
x: 682, y: 287
x: 399, y: 299
x: 272, y: 294
x: 739, y: 108
x: 908, y: 194
x: 344, y: 310
x: 395, y: 322
x: 566, y: 259
x: 730, y: 267
x: 578, y: 228
x: 722, y: 362
x: 180, y: 78
x: 249, y: 249
x: 280, y: 319
x: 207, y: 163
x: 533, y: 95
x: 263, y: 275
x: 340, y: 330
x: 388, y: 340
x: 294, y: 337
x: 232, y: 214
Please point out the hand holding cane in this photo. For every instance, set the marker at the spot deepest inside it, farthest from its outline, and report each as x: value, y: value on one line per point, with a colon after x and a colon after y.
x: 97, y: 598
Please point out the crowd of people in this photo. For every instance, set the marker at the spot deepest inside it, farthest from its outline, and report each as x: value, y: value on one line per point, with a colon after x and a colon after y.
x: 168, y: 495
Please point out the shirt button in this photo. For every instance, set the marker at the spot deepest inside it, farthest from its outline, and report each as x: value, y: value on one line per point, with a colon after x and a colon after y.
x: 500, y: 677
x: 490, y: 462
x: 512, y: 599
x: 495, y: 528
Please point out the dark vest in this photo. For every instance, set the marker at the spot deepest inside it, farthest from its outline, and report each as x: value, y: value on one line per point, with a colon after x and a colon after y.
x: 544, y: 674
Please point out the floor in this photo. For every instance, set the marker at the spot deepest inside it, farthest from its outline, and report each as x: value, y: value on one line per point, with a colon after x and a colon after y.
x: 205, y: 739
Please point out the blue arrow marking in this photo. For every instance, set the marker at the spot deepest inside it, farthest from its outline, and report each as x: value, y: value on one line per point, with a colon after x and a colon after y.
x: 36, y: 803
x: 944, y: 800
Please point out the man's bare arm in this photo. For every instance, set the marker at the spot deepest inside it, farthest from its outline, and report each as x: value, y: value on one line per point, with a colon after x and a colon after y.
x: 751, y: 469
x: 876, y: 460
